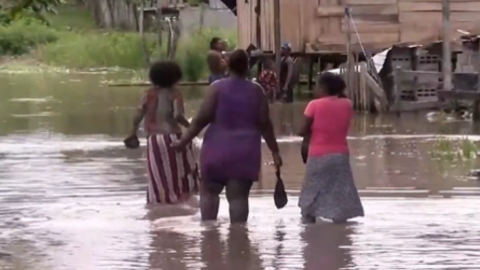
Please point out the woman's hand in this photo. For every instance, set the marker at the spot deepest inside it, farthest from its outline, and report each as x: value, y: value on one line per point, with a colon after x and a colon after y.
x: 178, y: 145
x: 277, y: 160
x: 132, y: 142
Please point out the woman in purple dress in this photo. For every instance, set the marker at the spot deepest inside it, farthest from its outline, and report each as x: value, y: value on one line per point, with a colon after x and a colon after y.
x: 237, y: 113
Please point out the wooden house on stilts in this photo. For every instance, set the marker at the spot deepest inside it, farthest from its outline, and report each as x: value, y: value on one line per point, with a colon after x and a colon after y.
x: 321, y: 30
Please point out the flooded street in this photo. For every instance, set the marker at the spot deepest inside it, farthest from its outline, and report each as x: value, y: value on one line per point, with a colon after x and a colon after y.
x: 71, y: 196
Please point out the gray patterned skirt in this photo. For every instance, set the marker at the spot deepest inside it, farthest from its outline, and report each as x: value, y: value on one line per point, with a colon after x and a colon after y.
x: 329, y: 190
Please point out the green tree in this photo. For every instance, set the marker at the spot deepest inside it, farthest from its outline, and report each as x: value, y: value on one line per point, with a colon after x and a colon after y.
x: 11, y: 10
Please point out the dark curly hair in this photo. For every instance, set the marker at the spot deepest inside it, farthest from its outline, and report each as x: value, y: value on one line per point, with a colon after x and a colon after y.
x: 213, y: 42
x: 333, y: 84
x: 165, y: 74
x: 238, y: 63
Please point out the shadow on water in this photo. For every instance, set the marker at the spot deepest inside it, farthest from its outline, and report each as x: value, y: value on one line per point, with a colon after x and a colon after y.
x: 73, y: 198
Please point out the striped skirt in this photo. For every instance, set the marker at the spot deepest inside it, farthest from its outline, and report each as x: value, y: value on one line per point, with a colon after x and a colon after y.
x: 172, y: 175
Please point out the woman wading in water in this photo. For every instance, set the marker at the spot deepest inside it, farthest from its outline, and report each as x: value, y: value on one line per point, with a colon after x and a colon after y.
x: 329, y: 190
x: 172, y: 175
x: 237, y: 113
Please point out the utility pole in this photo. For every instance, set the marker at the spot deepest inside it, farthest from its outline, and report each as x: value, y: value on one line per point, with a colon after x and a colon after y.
x: 277, y: 38
x: 447, y: 51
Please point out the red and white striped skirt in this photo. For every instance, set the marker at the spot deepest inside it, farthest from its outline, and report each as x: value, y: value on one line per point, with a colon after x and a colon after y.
x: 172, y: 175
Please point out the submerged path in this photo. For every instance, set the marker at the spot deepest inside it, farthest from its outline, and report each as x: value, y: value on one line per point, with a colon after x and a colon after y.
x: 78, y: 203
x: 71, y: 197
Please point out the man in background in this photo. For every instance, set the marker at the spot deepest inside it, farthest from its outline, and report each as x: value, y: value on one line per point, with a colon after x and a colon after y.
x: 216, y: 63
x: 286, y: 73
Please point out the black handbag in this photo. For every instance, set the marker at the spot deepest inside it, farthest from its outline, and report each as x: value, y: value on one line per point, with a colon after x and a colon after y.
x: 132, y: 142
x: 280, y: 195
x: 304, y: 149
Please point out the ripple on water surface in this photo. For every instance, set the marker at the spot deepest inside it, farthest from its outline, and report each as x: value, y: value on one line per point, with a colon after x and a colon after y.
x: 73, y: 202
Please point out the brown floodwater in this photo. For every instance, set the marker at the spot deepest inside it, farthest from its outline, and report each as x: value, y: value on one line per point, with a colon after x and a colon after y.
x: 71, y: 197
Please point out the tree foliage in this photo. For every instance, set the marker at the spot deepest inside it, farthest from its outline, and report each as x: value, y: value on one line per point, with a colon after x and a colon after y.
x: 11, y: 10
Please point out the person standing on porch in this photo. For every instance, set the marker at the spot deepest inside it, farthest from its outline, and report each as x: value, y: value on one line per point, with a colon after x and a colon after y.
x: 216, y: 63
x: 268, y: 80
x: 286, y: 73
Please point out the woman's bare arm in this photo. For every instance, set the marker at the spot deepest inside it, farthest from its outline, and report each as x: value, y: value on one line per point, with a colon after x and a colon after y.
x: 306, y: 128
x: 179, y: 109
x: 205, y: 116
x: 305, y: 132
x: 139, y: 114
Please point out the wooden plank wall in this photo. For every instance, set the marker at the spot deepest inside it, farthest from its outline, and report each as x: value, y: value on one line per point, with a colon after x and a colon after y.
x: 252, y: 22
x: 291, y: 24
x: 267, y: 30
x: 380, y: 23
x: 246, y: 23
x: 376, y: 22
x: 243, y: 24
x: 421, y: 20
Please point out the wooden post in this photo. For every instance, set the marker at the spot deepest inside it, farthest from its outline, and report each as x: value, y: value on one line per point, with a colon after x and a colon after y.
x: 202, y: 14
x: 397, y: 87
x: 363, y: 86
x: 277, y: 39
x: 349, y: 52
x: 310, y: 76
x: 141, y: 26
x: 476, y: 104
x: 141, y: 22
x: 258, y: 11
x: 159, y: 23
x: 447, y: 52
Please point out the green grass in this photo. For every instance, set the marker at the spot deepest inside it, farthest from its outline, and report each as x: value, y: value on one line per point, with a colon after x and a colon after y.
x: 451, y: 150
x: 73, y: 41
x: 125, y: 50
x: 88, y: 50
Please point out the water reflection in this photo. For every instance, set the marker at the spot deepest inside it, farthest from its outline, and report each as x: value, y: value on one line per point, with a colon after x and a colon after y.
x: 327, y: 246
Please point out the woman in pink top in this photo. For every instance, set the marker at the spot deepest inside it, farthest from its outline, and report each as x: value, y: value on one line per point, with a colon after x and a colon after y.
x: 328, y: 190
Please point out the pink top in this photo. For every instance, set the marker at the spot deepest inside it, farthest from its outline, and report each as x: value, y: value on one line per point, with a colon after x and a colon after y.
x: 331, y: 120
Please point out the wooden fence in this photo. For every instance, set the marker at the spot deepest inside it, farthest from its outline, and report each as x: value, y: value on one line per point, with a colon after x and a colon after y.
x: 362, y: 89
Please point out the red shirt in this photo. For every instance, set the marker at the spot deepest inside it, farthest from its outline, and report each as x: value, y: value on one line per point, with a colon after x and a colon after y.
x: 268, y: 80
x: 331, y: 121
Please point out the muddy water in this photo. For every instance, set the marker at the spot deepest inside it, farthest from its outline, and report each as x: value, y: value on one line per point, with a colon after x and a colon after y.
x: 72, y: 198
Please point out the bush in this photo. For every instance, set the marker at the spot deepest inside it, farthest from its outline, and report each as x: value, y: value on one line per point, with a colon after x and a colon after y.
x: 89, y: 50
x: 21, y: 36
x: 94, y: 49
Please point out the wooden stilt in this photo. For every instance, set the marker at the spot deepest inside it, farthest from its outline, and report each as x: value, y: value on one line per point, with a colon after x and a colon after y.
x: 447, y: 52
x: 476, y: 104
x: 141, y: 26
x: 397, y: 89
x: 159, y: 23
x: 349, y: 55
x: 277, y: 38
x: 310, y: 76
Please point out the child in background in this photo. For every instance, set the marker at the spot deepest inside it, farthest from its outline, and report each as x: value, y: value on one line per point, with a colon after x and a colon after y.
x: 268, y: 80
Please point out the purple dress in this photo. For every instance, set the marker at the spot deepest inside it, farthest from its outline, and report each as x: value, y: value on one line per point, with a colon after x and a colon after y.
x: 232, y: 144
